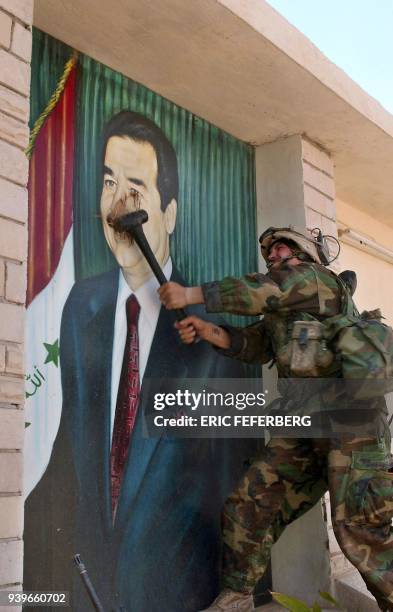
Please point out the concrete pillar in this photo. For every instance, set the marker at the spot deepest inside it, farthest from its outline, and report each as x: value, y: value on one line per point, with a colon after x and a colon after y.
x: 279, y: 181
x: 295, y: 186
x: 15, y: 54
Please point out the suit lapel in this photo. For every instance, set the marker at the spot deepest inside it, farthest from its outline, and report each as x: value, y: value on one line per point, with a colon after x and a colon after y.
x: 98, y: 355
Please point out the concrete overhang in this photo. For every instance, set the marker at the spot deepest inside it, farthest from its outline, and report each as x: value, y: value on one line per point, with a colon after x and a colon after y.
x: 240, y: 65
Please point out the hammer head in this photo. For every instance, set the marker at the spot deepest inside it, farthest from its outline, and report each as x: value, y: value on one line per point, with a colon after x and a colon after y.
x: 130, y: 222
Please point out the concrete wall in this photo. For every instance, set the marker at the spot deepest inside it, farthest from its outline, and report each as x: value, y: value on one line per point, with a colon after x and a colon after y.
x: 15, y: 53
x: 375, y: 276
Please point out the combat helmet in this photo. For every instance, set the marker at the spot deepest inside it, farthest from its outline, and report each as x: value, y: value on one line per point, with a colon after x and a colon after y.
x: 314, y: 246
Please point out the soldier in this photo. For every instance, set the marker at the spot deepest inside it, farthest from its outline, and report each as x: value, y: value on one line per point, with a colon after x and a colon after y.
x: 292, y: 474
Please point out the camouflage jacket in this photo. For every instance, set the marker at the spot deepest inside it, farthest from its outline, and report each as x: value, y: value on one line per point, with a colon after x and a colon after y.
x: 289, y: 293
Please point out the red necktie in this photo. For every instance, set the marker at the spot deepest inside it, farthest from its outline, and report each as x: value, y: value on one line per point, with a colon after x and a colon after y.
x: 127, y: 401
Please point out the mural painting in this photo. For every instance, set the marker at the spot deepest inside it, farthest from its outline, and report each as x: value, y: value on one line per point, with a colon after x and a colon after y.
x: 143, y: 513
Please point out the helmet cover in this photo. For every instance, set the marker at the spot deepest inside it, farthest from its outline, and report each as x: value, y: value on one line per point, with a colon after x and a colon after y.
x: 304, y: 244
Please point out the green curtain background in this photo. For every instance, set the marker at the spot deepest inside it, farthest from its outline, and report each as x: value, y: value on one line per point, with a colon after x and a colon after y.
x: 215, y: 232
x: 47, y: 64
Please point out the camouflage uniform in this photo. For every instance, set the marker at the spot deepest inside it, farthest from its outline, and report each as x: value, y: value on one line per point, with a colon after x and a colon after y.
x: 291, y: 475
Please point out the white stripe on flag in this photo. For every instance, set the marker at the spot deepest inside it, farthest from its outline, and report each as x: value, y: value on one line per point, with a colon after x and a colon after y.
x: 43, y: 404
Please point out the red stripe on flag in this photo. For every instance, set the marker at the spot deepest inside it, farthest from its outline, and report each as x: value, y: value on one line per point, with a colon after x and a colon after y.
x: 51, y: 191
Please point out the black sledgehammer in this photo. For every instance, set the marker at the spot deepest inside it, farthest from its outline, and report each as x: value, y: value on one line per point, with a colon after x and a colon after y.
x: 132, y: 225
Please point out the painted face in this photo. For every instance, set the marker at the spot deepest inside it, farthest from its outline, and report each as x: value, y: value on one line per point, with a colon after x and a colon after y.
x: 130, y: 183
x: 277, y: 253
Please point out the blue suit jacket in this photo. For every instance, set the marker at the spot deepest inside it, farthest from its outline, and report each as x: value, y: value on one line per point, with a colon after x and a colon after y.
x: 163, y: 553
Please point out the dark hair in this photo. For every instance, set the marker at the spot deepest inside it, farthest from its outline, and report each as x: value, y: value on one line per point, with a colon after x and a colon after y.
x: 141, y: 129
x: 289, y: 243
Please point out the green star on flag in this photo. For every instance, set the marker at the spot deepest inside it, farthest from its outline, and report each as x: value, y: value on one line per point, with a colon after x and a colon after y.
x: 53, y: 353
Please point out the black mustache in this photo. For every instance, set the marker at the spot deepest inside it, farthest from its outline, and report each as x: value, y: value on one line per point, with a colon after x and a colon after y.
x: 113, y: 221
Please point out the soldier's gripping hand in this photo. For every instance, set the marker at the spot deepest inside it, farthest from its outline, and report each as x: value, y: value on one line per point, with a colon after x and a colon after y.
x: 194, y: 326
x: 173, y: 295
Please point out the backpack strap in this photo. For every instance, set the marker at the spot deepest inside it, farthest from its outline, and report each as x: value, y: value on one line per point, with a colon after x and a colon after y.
x: 348, y: 315
x: 347, y: 306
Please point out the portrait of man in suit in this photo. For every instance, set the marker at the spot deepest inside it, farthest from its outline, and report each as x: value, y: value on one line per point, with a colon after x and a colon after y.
x: 144, y: 513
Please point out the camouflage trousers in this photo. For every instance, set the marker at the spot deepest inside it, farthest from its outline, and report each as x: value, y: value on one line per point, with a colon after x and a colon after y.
x: 287, y: 479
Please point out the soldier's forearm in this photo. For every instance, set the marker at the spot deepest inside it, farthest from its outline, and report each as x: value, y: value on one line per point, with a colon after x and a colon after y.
x: 249, y: 344
x: 217, y: 336
x: 247, y: 295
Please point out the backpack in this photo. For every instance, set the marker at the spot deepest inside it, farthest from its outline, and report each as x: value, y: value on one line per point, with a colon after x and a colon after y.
x: 356, y: 347
x: 364, y: 347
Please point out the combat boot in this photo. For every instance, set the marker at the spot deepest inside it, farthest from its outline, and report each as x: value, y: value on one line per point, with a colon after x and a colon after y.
x: 232, y: 601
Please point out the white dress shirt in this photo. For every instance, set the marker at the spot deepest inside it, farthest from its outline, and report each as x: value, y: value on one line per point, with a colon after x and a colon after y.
x: 150, y: 305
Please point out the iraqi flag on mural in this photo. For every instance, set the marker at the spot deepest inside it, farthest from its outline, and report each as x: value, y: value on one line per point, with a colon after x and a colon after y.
x: 50, y: 270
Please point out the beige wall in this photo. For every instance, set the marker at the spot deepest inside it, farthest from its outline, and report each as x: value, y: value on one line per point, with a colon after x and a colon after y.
x: 15, y: 54
x: 375, y: 276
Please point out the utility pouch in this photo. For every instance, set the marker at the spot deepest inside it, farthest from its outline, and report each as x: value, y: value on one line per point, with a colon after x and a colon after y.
x: 309, y: 352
